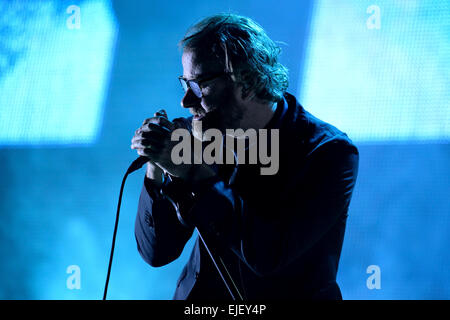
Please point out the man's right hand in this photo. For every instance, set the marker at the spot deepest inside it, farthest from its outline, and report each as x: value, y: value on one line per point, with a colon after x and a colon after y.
x: 152, y: 136
x: 153, y: 140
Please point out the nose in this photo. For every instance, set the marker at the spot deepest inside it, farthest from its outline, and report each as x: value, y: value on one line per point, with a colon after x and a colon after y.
x: 190, y: 99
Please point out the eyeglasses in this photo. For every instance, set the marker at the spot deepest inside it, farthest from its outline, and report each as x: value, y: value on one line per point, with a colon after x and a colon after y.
x: 196, y: 84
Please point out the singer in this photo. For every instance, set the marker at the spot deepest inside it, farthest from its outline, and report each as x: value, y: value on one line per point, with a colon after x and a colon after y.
x: 280, y: 236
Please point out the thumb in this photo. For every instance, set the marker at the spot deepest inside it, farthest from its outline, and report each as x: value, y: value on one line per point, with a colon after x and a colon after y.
x: 161, y: 113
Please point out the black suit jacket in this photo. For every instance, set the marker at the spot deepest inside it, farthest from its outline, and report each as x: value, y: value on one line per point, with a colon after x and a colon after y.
x: 280, y: 235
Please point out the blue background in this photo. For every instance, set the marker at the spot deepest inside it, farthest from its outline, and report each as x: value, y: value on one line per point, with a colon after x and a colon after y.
x: 70, y: 100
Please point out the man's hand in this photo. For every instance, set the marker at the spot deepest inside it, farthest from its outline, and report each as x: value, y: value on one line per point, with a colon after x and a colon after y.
x: 153, y: 140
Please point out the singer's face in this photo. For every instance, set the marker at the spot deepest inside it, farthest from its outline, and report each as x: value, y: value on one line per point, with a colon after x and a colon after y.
x: 220, y: 106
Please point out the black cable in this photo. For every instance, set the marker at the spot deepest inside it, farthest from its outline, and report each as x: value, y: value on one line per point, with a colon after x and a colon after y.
x: 223, y: 272
x: 217, y: 260
x: 137, y: 164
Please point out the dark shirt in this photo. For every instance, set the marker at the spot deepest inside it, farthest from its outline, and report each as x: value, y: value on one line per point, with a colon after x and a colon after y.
x: 279, y: 235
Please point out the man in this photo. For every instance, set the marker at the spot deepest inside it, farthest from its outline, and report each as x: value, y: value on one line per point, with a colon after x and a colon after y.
x: 279, y: 235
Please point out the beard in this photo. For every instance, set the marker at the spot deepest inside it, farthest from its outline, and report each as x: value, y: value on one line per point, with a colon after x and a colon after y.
x: 225, y: 114
x: 211, y: 120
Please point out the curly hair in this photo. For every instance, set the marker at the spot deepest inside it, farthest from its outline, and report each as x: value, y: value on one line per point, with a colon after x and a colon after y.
x: 244, y: 49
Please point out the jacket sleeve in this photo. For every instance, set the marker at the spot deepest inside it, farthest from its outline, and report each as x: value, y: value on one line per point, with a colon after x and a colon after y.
x: 160, y: 236
x: 270, y: 234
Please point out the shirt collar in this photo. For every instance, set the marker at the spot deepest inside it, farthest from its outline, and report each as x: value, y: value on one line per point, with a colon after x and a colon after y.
x: 275, y: 122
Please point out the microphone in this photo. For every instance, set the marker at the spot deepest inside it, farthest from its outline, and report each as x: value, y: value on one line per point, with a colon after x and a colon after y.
x: 139, y: 162
x: 216, y: 259
x: 135, y: 165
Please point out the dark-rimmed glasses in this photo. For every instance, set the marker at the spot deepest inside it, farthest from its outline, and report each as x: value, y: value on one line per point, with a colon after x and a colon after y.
x: 196, y: 84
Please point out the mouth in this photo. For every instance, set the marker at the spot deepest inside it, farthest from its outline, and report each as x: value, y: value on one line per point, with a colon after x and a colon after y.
x: 209, y: 119
x: 197, y: 113
x: 198, y: 117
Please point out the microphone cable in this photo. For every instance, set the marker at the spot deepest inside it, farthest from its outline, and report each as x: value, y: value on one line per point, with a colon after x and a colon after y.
x: 217, y: 260
x: 135, y: 165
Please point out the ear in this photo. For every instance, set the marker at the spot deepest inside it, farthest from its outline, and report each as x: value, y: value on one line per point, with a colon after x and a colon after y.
x: 244, y: 95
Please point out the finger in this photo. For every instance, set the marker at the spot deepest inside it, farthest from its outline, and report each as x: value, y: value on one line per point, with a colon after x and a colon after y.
x: 150, y: 127
x: 162, y: 121
x: 149, y: 153
x: 156, y: 128
x: 156, y: 135
x: 147, y: 144
x: 161, y: 113
x: 146, y: 138
x: 143, y: 153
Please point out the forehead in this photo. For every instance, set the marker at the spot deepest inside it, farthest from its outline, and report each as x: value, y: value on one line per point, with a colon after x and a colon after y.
x: 194, y: 65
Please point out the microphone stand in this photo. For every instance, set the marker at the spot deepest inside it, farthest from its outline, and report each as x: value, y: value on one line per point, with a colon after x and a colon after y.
x: 223, y: 271
x: 216, y: 259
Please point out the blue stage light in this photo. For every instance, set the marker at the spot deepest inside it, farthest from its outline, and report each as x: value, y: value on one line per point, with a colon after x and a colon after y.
x: 54, y: 71
x: 380, y: 72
